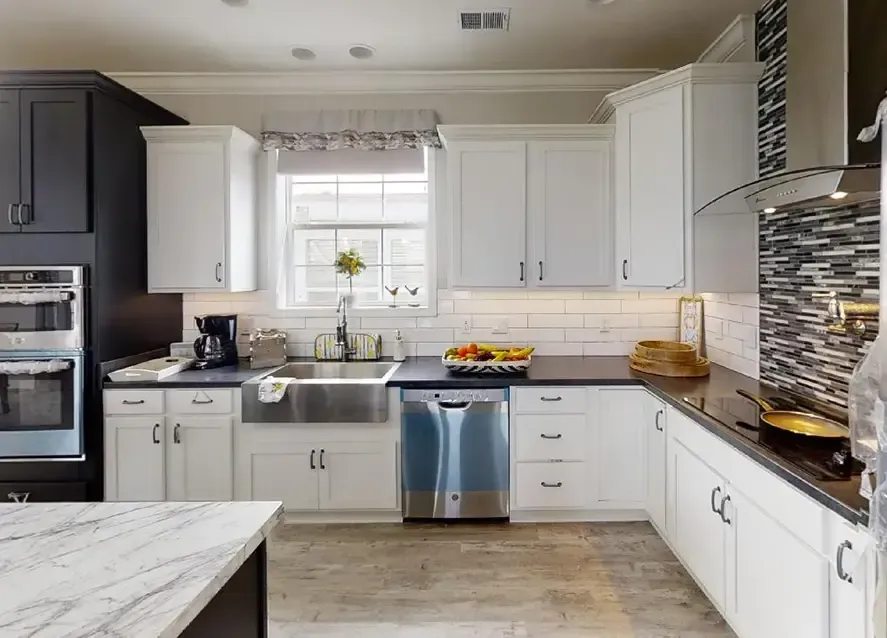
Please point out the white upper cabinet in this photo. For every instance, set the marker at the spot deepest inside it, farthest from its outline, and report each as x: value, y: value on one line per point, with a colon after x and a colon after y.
x: 201, y: 209
x: 682, y: 139
x: 530, y: 205
x: 570, y: 213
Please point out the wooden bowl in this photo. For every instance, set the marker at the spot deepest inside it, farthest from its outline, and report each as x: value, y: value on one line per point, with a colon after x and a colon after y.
x: 671, y: 351
x: 699, y: 368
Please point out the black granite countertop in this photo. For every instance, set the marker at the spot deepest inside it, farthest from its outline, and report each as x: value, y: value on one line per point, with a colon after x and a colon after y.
x: 427, y: 372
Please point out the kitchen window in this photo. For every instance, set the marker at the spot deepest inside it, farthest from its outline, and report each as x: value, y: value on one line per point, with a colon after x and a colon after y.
x: 386, y: 217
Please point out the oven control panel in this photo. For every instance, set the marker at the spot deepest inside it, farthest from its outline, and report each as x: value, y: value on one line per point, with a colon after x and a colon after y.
x: 16, y: 276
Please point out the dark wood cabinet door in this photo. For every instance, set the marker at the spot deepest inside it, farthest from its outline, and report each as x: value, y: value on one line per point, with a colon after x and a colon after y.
x: 55, y: 161
x: 42, y: 492
x: 10, y: 174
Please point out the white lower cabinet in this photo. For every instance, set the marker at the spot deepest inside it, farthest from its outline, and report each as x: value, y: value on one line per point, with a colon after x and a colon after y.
x: 200, y: 459
x: 135, y: 458
x: 696, y: 530
x: 851, y: 580
x: 357, y: 476
x: 655, y: 427
x: 620, y: 444
x: 275, y: 472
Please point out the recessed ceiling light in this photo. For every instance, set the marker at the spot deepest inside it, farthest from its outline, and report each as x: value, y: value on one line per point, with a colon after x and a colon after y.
x: 838, y: 195
x: 769, y: 210
x: 361, y: 52
x: 236, y: 3
x: 304, y: 53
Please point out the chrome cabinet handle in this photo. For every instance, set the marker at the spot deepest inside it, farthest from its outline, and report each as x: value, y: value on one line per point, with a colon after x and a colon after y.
x: 540, y: 271
x: 551, y: 436
x: 521, y: 271
x: 196, y: 402
x: 154, y: 434
x: 715, y: 492
x: 21, y: 219
x: 322, y: 466
x: 175, y: 434
x: 128, y: 402
x: 558, y: 484
x: 625, y: 270
x: 722, y: 511
x: 549, y: 399
x: 847, y: 578
x: 311, y: 462
x: 218, y: 271
x: 18, y: 497
x: 9, y: 214
x: 658, y: 424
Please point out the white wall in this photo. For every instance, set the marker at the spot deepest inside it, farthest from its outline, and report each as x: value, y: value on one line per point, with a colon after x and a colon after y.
x: 731, y: 331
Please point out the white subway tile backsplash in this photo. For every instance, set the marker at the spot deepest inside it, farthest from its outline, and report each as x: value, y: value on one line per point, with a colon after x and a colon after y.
x: 327, y: 323
x: 726, y: 344
x: 613, y: 321
x: 386, y: 323
x: 647, y: 334
x: 658, y: 320
x: 554, y: 294
x: 594, y: 306
x: 616, y: 348
x: 747, y: 334
x: 567, y: 349
x: 650, y: 306
x: 443, y: 321
x: 498, y: 294
x: 555, y: 321
x: 445, y: 307
x: 731, y: 331
x: 423, y: 335
x: 593, y: 335
x: 603, y: 294
x: 493, y: 321
x: 426, y: 349
x: 509, y: 306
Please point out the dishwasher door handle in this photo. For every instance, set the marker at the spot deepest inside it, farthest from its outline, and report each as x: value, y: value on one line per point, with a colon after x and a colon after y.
x: 461, y: 406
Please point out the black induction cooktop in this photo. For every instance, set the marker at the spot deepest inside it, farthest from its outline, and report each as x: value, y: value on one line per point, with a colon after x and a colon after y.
x: 823, y: 459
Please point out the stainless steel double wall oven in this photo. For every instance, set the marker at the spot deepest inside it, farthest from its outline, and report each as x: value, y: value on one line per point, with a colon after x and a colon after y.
x: 42, y: 340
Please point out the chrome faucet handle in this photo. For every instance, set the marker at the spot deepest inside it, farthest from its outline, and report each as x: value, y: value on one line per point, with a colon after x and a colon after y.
x: 835, y: 307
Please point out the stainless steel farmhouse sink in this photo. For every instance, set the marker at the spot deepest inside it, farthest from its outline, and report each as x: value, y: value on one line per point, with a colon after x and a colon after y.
x: 323, y: 392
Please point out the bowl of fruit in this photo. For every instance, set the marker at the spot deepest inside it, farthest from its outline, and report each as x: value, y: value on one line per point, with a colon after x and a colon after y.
x: 485, y: 358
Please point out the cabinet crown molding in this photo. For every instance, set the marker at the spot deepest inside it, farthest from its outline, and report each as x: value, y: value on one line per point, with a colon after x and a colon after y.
x: 219, y: 133
x: 699, y: 73
x: 525, y: 133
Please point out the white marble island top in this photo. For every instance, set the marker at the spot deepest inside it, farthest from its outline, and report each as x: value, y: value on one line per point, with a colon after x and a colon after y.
x: 127, y: 570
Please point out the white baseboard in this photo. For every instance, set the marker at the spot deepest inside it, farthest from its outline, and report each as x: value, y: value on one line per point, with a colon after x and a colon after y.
x: 351, y: 516
x: 578, y: 516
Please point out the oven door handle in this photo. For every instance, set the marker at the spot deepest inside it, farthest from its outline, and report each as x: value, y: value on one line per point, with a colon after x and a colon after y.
x: 47, y: 366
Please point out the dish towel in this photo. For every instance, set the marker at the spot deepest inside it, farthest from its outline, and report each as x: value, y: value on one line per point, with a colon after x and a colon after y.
x: 272, y: 389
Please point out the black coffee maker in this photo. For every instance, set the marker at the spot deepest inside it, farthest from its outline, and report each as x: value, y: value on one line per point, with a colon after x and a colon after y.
x: 216, y: 345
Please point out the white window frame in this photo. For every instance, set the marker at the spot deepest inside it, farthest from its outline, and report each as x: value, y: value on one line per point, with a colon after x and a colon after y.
x: 280, y: 253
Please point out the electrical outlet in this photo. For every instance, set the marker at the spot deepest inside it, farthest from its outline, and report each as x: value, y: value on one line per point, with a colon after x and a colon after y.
x: 466, y: 327
x: 605, y: 325
x: 500, y: 326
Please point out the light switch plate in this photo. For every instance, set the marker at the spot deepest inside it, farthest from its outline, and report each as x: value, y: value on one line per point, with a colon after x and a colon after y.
x: 500, y: 326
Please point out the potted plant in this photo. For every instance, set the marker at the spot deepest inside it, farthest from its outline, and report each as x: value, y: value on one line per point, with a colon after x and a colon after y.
x: 349, y: 263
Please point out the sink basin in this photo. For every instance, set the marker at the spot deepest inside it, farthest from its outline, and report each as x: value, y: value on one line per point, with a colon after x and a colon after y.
x: 334, y: 370
x: 323, y: 392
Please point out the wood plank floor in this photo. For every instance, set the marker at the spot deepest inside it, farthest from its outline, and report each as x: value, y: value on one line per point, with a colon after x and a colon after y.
x: 610, y: 580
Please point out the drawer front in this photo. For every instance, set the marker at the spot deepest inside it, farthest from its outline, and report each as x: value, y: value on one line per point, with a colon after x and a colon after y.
x: 25, y: 492
x: 199, y: 401
x: 133, y: 401
x: 539, y: 437
x: 550, y: 485
x: 545, y: 400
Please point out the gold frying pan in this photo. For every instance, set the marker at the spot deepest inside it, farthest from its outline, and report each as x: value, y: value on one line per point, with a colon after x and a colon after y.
x: 802, y: 423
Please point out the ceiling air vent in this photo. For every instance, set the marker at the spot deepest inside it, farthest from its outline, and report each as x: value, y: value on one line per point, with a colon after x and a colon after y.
x: 491, y: 20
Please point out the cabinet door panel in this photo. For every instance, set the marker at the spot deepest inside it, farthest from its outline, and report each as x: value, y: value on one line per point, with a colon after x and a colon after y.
x: 56, y: 179
x: 135, y: 459
x: 697, y: 532
x: 777, y: 586
x: 186, y: 216
x: 570, y: 213
x: 358, y: 476
x: 488, y: 202
x: 620, y: 446
x: 283, y: 473
x: 200, y: 464
x: 650, y: 190
x: 656, y: 432
x: 10, y: 171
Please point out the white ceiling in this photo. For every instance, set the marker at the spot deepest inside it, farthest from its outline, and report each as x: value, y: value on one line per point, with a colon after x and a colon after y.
x: 207, y: 35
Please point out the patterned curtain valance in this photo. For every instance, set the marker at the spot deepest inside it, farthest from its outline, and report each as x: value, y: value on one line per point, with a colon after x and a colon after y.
x: 368, y: 130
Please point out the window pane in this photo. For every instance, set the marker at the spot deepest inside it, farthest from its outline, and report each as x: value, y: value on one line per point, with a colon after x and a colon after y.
x: 376, y: 177
x: 407, y: 278
x: 406, y: 177
x: 360, y: 202
x: 314, y: 286
x: 314, y: 203
x: 366, y: 242
x: 314, y: 178
x: 314, y: 248
x: 367, y: 287
x: 405, y: 247
x: 406, y: 202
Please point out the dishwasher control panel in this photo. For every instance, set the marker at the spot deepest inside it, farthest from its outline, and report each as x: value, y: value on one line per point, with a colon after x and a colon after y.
x: 463, y: 395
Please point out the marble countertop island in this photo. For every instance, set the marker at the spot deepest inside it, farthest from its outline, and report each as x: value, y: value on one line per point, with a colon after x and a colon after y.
x: 128, y: 570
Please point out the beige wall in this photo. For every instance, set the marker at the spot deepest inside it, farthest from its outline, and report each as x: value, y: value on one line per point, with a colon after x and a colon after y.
x: 245, y: 111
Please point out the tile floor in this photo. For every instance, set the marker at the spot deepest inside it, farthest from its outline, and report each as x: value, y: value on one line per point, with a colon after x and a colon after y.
x: 613, y: 580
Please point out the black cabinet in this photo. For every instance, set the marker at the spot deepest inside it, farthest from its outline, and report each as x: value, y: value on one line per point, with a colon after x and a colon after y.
x: 42, y: 492
x: 10, y: 167
x: 44, y: 162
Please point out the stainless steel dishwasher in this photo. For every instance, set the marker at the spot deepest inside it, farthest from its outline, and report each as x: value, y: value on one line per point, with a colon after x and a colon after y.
x: 455, y: 458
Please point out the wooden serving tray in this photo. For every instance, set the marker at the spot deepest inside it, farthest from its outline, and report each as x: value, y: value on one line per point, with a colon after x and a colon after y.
x: 671, y: 351
x: 701, y: 368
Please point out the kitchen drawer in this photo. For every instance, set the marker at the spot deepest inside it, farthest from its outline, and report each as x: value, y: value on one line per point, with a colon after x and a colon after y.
x: 133, y: 401
x: 550, y: 485
x: 199, y: 401
x: 539, y: 437
x: 549, y: 400
x: 26, y: 492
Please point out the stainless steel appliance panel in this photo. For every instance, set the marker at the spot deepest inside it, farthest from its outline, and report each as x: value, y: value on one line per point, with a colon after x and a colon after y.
x: 41, y: 308
x: 455, y: 454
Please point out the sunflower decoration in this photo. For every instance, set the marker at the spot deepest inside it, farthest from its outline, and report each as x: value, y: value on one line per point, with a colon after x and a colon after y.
x: 351, y: 264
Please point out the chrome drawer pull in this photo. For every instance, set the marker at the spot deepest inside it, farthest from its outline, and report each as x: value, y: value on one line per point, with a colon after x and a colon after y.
x: 551, y: 398
x: 558, y: 484
x: 128, y: 402
x: 847, y: 578
x: 714, y: 507
x: 551, y: 436
x: 196, y: 402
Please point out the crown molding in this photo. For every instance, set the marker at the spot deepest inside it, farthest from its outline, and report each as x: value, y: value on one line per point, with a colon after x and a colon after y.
x: 705, y: 73
x: 737, y: 42
x: 351, y: 82
x: 530, y: 132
